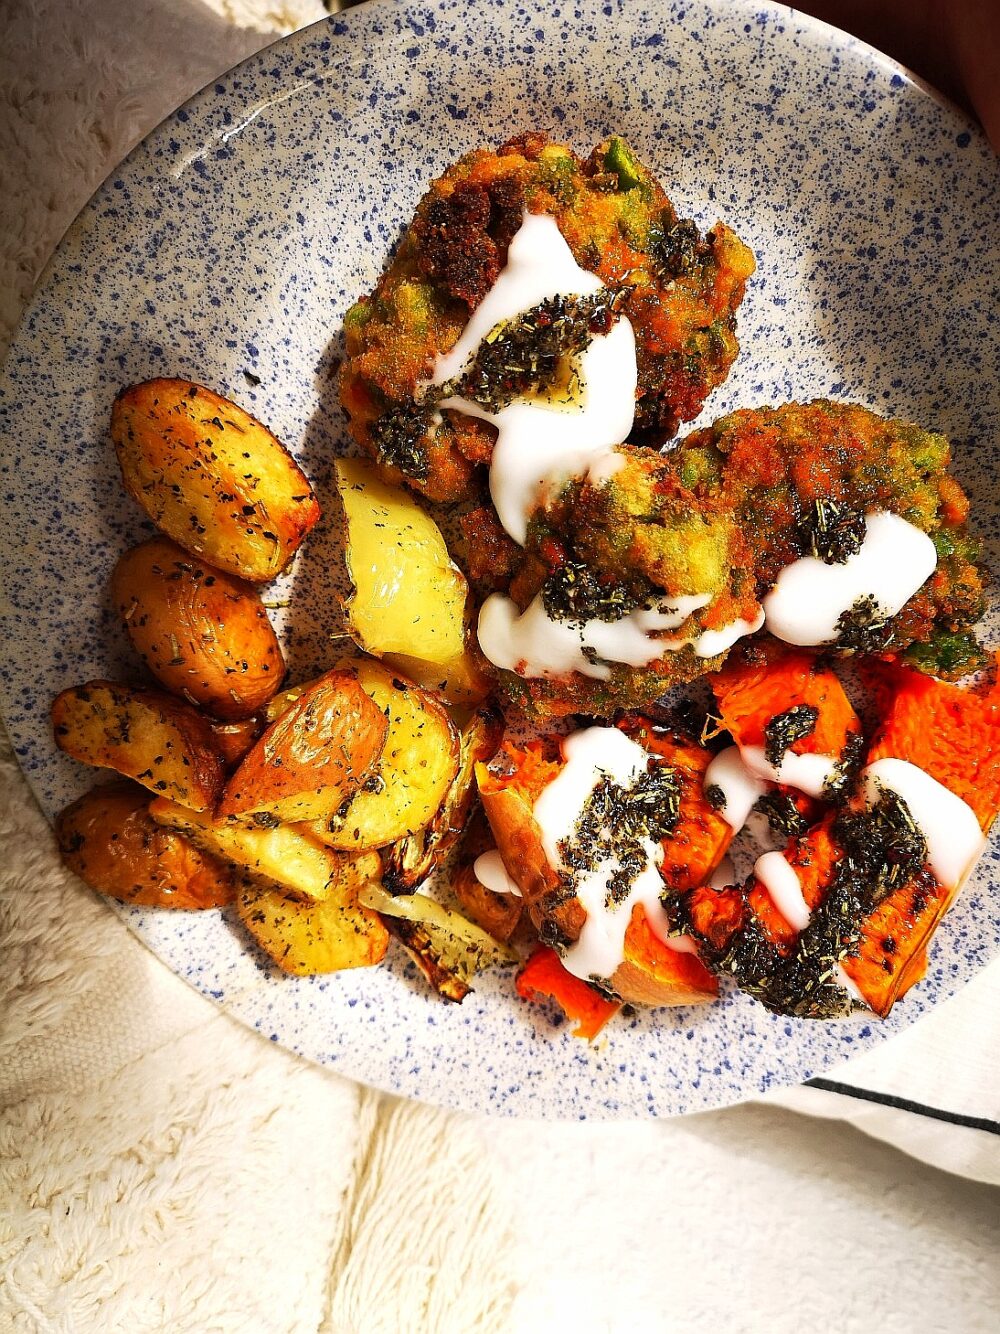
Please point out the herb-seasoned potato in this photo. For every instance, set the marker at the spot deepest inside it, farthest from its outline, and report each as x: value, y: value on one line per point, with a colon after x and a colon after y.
x: 312, y: 758
x: 322, y: 937
x: 409, y: 599
x: 212, y: 477
x: 109, y: 839
x: 159, y: 741
x: 418, y: 763
x: 281, y: 853
x: 202, y: 633
x: 411, y: 860
x: 234, y: 739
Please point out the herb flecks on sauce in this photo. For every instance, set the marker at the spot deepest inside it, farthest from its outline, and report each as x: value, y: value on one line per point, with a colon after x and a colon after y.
x: 399, y: 437
x: 864, y: 627
x: 534, y: 354
x: 833, y: 532
x: 574, y: 592
x: 786, y: 728
x: 784, y: 818
x: 882, y: 849
x: 616, y: 823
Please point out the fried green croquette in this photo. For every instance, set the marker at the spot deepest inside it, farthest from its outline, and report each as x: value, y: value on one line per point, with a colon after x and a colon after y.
x: 680, y: 291
x: 721, y: 515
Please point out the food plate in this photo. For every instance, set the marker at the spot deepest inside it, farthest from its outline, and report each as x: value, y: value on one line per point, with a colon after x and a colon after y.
x: 227, y: 248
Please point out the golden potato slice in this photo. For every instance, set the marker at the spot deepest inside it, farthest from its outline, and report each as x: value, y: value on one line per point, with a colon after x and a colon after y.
x: 212, y: 477
x: 409, y: 600
x: 110, y: 840
x: 321, y: 937
x: 418, y: 763
x: 235, y: 739
x: 201, y: 632
x: 409, y: 861
x: 312, y: 758
x: 159, y: 741
x: 283, y: 854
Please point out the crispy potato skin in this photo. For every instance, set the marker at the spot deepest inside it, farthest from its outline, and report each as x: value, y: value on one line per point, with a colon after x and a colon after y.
x: 108, y: 838
x: 202, y: 633
x: 161, y: 742
x: 313, y: 757
x: 419, y: 761
x: 234, y: 739
x: 212, y: 477
x: 307, y: 938
x: 683, y: 292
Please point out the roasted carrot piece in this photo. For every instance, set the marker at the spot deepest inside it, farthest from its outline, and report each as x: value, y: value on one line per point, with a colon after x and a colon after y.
x: 951, y: 732
x: 543, y: 977
x: 753, y: 690
x: 650, y: 961
x: 892, y: 954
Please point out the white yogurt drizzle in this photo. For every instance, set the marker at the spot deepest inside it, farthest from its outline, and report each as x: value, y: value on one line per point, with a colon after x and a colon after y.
x: 780, y: 879
x: 741, y: 789
x: 809, y: 597
x: 589, y: 756
x: 533, y: 643
x: 949, y: 825
x: 491, y: 873
x: 808, y: 773
x: 542, y: 444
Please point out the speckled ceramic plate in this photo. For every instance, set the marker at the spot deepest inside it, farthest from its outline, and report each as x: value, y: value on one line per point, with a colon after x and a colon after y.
x: 228, y: 246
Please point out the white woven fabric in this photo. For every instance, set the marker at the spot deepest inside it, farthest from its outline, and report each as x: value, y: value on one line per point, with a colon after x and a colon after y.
x: 161, y: 1168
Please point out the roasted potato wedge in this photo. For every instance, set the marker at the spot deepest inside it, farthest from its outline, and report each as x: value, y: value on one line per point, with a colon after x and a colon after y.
x: 212, y: 477
x: 409, y: 862
x: 312, y: 758
x: 201, y: 632
x: 235, y: 739
x: 409, y: 600
x: 305, y: 938
x: 159, y: 741
x: 110, y: 840
x: 282, y: 854
x: 497, y: 914
x: 418, y: 764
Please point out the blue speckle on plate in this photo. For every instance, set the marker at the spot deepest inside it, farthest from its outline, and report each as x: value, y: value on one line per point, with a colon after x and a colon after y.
x: 228, y: 246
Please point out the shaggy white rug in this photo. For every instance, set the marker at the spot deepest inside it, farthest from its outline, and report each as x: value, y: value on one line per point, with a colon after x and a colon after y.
x: 161, y: 1168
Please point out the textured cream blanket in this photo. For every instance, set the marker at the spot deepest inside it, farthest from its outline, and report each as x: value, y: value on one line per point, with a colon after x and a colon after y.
x: 161, y: 1168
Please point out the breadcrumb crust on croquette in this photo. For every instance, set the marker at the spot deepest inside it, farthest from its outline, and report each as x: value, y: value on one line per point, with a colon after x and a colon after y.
x: 724, y: 512
x: 682, y: 294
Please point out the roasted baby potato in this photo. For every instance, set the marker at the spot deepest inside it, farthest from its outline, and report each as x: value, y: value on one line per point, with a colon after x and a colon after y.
x: 409, y: 600
x: 312, y: 758
x: 410, y: 861
x: 321, y: 937
x: 201, y: 632
x: 110, y: 840
x: 159, y: 741
x: 282, y: 854
x: 212, y: 477
x: 418, y: 763
x: 234, y: 739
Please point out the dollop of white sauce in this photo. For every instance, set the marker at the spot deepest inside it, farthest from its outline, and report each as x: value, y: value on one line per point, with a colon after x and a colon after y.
x: 541, y: 444
x: 808, y: 773
x: 780, y: 879
x: 532, y: 643
x: 949, y: 824
x: 711, y: 642
x: 491, y: 873
x: 590, y: 755
x: 740, y: 788
x: 809, y: 596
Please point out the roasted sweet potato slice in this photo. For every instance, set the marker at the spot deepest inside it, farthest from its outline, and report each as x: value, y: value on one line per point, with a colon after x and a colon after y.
x: 544, y: 978
x: 212, y: 477
x: 314, y: 757
x: 202, y: 633
x: 159, y: 741
x: 110, y: 840
x: 282, y: 854
x: 497, y: 914
x: 305, y: 938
